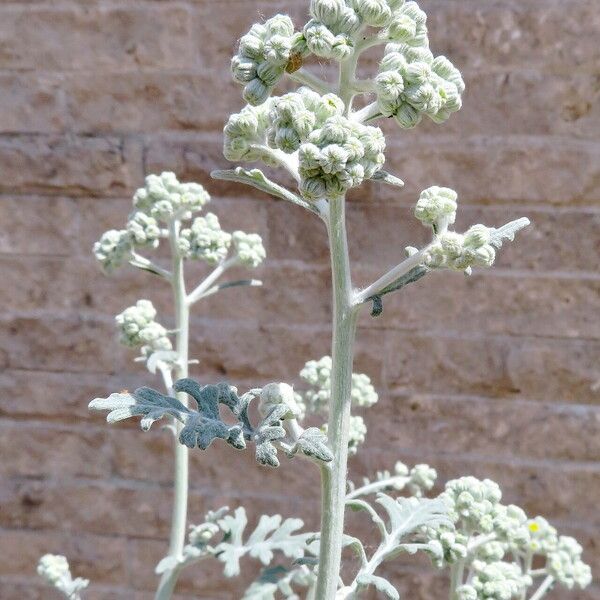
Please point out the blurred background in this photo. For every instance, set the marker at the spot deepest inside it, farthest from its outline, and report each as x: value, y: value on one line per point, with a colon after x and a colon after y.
x: 497, y: 375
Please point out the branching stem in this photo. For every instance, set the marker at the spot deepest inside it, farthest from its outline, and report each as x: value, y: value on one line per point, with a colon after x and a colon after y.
x: 181, y: 475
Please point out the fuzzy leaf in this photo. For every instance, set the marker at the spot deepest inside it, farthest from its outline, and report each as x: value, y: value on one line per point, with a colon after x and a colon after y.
x: 161, y: 356
x: 385, y: 177
x: 313, y: 443
x: 270, y: 430
x: 406, y: 515
x: 270, y: 535
x: 144, y: 402
x: 413, y: 275
x: 507, y: 232
x: 380, y: 584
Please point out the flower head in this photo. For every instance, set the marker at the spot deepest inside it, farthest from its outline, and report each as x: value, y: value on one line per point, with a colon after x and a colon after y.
x: 205, y: 240
x: 113, y: 249
x: 163, y: 197
x: 249, y: 248
x: 138, y: 328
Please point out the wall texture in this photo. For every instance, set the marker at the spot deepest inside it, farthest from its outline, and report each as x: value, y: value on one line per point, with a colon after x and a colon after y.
x: 497, y: 375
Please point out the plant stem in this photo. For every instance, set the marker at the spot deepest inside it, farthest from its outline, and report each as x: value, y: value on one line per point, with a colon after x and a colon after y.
x: 333, y: 476
x: 541, y: 591
x: 180, y: 484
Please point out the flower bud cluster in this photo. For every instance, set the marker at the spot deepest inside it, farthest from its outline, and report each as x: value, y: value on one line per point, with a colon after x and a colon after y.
x: 138, y: 327
x: 412, y: 83
x: 473, y: 501
x: 293, y: 117
x: 459, y: 252
x: 55, y: 570
x: 565, y: 565
x: 205, y: 240
x: 163, y: 197
x: 249, y: 248
x: 245, y: 130
x: 113, y: 249
x: 437, y: 206
x: 143, y: 229
x: 421, y: 479
x: 317, y: 373
x: 331, y: 33
x: 494, y: 581
x: 338, y: 156
x: 446, y: 546
x: 263, y: 56
x: 280, y: 393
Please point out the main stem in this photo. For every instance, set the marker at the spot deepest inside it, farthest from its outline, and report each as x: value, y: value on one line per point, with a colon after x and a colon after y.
x: 333, y: 475
x: 180, y: 483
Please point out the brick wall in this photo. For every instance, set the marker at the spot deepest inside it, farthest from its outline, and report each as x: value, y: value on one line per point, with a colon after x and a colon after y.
x: 496, y: 375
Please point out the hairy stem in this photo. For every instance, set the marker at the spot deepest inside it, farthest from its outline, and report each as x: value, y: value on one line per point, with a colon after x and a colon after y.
x: 180, y: 483
x: 541, y: 591
x: 333, y: 476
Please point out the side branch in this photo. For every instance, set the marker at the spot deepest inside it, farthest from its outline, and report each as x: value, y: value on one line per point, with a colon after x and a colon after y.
x: 257, y: 179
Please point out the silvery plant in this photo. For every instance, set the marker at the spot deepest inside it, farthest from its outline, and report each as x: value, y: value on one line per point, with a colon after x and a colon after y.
x: 324, y: 137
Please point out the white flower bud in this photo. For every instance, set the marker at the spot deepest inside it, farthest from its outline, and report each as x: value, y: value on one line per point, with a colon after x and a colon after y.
x: 376, y: 13
x: 143, y: 229
x: 389, y: 85
x: 138, y: 328
x: 256, y: 92
x: 279, y: 25
x: 436, y: 204
x: 164, y: 198
x: 113, y: 249
x: 319, y: 39
x: 407, y: 116
x: 279, y: 393
x: 477, y: 236
x: 249, y: 248
x: 205, y: 240
x: 327, y: 11
x: 55, y: 570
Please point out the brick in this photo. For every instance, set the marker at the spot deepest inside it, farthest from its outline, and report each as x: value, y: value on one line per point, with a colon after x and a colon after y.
x: 54, y: 220
x: 102, y: 559
x: 32, y: 104
x: 152, y: 101
x: 68, y: 165
x: 57, y: 396
x: 139, y: 510
x: 72, y: 344
x: 53, y: 451
x: 531, y: 368
x: 514, y: 33
x: 491, y: 303
x: 501, y: 103
x: 487, y: 170
x: 488, y: 428
x: 96, y: 37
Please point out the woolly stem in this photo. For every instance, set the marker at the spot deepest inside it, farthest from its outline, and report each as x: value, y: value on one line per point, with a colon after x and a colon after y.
x: 333, y: 476
x: 181, y: 468
x: 541, y: 591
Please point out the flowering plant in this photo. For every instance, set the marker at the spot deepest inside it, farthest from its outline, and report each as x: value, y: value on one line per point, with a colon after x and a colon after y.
x: 325, y: 138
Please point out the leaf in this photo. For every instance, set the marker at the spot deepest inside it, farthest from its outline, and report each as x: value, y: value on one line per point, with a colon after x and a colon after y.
x: 270, y: 430
x: 203, y: 427
x: 406, y: 515
x: 271, y: 535
x: 413, y: 275
x: 168, y: 563
x: 313, y: 443
x: 385, y: 177
x: 256, y: 178
x: 507, y: 232
x: 380, y: 584
x: 144, y: 402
